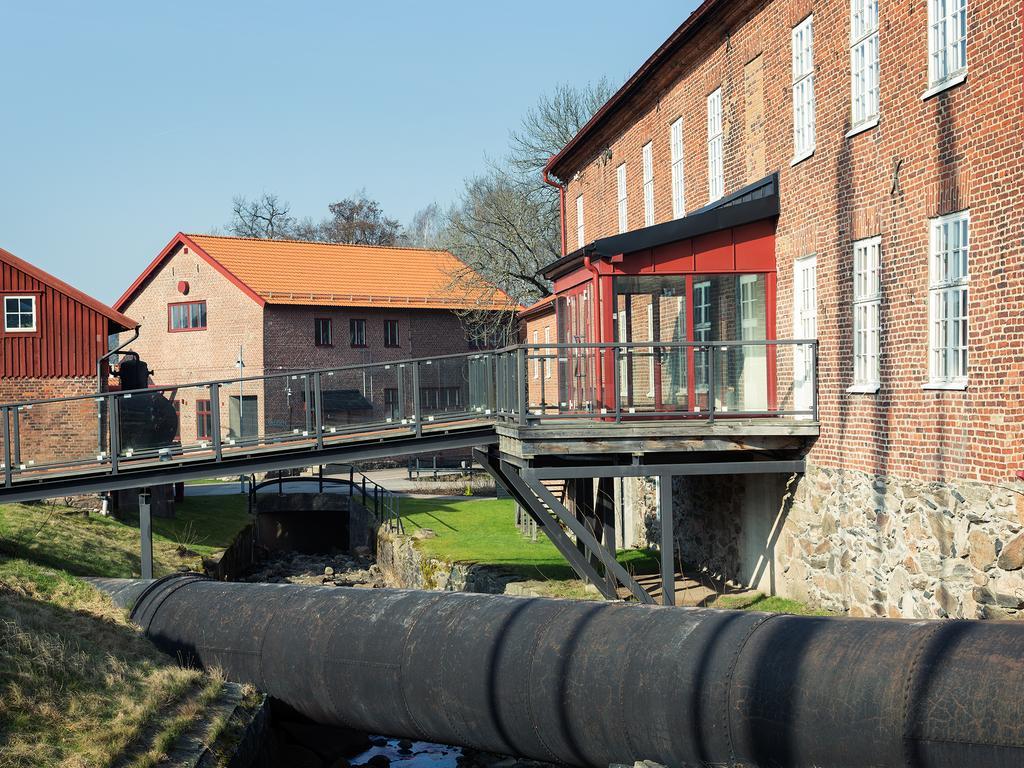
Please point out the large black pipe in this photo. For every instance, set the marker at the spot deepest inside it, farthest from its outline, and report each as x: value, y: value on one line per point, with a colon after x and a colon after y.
x: 589, y: 684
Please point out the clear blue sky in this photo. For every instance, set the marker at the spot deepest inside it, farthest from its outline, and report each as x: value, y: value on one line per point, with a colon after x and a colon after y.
x: 124, y: 122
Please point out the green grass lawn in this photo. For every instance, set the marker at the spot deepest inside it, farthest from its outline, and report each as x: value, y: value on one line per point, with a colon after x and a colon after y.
x: 205, y: 524
x: 484, y: 531
x: 762, y: 602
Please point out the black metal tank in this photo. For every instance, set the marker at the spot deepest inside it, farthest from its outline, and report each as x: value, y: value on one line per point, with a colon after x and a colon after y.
x: 589, y: 684
x: 147, y: 420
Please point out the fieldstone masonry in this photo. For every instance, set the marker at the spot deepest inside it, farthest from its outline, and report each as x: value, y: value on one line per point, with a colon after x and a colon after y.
x: 876, y: 546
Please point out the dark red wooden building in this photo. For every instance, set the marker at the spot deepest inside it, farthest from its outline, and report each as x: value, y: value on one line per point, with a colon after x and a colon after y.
x: 52, y: 341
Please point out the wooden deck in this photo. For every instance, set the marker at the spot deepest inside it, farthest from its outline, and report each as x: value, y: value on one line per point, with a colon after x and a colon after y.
x: 581, y: 437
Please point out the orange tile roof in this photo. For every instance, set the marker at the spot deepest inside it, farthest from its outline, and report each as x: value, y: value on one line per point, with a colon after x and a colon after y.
x: 298, y: 272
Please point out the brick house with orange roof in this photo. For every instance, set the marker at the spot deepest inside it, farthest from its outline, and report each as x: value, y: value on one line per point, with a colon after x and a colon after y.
x: 278, y: 306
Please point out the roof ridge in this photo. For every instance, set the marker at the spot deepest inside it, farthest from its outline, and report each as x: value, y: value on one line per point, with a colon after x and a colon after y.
x: 318, y: 242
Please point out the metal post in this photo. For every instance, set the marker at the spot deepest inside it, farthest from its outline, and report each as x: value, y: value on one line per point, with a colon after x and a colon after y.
x: 115, y: 433
x: 417, y: 414
x: 522, y: 398
x: 8, y: 478
x: 307, y: 405
x: 668, y: 567
x: 364, y: 490
x: 711, y: 383
x: 16, y: 436
x: 814, y: 381
x: 401, y: 392
x: 146, y: 533
x: 318, y: 407
x: 218, y: 452
x: 320, y: 477
x: 617, y: 385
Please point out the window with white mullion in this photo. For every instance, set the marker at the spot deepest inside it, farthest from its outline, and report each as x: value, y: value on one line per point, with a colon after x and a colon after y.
x: 803, y: 89
x: 948, y: 294
x: 716, y: 182
x: 620, y: 187
x: 648, y: 162
x: 863, y: 61
x: 867, y: 297
x: 678, y: 185
x: 535, y: 353
x: 580, y: 241
x: 947, y: 39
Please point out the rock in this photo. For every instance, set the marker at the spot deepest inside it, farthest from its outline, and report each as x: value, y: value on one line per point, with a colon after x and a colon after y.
x: 405, y: 745
x: 424, y: 533
x: 983, y: 549
x: 1012, y: 556
x: 328, y: 571
x: 379, y: 761
x: 943, y: 531
x: 947, y: 601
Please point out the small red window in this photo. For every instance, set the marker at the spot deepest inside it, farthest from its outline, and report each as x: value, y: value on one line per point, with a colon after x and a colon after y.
x: 186, y: 316
x: 204, y: 420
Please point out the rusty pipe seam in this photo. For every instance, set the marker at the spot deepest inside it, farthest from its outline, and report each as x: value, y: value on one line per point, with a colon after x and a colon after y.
x: 595, y: 683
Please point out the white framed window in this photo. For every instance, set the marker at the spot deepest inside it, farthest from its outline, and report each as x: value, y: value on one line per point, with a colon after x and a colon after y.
x: 949, y: 276
x: 863, y: 64
x: 648, y: 158
x: 803, y: 89
x: 580, y: 242
x: 678, y: 185
x: 620, y: 192
x: 536, y: 354
x: 947, y: 41
x: 701, y: 332
x: 19, y: 314
x: 867, y: 296
x: 805, y: 326
x: 716, y: 182
x: 547, y: 352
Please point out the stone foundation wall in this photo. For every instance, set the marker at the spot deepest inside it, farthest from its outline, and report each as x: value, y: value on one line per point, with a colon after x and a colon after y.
x: 876, y: 546
x: 404, y: 566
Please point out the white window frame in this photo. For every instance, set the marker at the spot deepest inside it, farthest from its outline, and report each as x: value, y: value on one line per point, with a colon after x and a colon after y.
x: 947, y: 44
x: 701, y: 332
x: 678, y: 179
x: 621, y: 195
x: 948, y: 301
x: 536, y: 353
x: 716, y: 180
x: 580, y: 237
x: 647, y: 153
x: 805, y: 326
x: 547, y: 352
x: 867, y: 302
x: 35, y: 313
x: 803, y: 90
x: 864, y: 96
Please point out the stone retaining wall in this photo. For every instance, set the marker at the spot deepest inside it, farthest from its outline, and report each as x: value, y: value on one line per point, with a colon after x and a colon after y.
x: 871, y: 545
x: 405, y: 566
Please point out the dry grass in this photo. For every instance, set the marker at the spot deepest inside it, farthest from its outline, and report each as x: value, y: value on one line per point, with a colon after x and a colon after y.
x: 79, y: 686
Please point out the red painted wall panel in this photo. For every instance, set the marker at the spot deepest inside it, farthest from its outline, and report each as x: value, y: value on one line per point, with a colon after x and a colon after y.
x: 69, y: 336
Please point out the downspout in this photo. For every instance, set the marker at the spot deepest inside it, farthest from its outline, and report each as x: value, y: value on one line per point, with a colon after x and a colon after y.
x: 561, y: 206
x: 100, y: 389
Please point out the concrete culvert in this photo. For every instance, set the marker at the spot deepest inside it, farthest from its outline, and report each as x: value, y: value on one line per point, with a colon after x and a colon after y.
x: 591, y: 684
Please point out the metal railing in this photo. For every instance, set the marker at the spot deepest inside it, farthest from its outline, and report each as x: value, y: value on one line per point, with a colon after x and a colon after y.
x: 210, y: 421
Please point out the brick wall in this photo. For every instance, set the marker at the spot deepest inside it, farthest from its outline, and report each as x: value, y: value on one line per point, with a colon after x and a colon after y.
x: 959, y: 149
x: 57, y: 432
x: 233, y: 320
x: 543, y: 372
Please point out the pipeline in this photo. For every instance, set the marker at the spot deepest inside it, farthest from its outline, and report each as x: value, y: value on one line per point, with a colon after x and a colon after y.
x: 589, y: 684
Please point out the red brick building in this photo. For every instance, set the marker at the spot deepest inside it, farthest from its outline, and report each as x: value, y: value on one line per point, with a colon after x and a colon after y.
x: 206, y: 302
x: 889, y: 137
x: 53, y: 343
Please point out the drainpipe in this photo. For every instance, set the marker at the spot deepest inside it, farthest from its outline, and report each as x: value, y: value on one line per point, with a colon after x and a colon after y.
x: 561, y: 206
x: 100, y: 389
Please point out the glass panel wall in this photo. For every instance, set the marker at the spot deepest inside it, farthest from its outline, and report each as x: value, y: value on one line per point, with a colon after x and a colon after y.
x: 652, y: 308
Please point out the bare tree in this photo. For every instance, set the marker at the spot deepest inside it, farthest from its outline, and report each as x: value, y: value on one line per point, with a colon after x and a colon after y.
x: 505, y: 225
x: 359, y: 220
x: 265, y: 217
x: 426, y: 229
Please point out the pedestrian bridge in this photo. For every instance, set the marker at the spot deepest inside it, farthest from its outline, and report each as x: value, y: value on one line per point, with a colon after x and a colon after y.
x: 530, y: 413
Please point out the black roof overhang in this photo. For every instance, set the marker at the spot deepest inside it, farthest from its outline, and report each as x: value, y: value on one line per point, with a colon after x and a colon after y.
x: 754, y: 202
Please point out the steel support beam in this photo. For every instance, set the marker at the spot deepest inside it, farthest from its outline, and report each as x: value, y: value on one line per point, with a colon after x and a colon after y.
x: 605, y: 509
x: 647, y: 470
x: 668, y: 565
x: 146, y: 533
x: 528, y: 501
x: 581, y: 532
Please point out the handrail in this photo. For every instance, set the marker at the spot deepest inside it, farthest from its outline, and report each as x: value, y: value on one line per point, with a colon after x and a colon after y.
x: 597, y: 381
